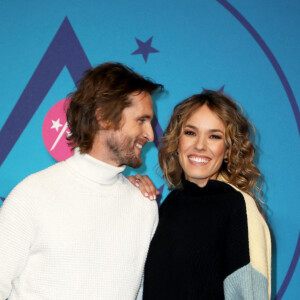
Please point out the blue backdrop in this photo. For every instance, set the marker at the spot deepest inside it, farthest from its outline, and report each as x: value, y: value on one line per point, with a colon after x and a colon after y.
x: 249, y: 49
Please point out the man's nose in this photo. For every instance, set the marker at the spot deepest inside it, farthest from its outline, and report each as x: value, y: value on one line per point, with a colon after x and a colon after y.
x: 149, y: 134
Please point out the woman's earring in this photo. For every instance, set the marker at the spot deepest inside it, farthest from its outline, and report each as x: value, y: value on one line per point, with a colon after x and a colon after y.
x: 226, y: 160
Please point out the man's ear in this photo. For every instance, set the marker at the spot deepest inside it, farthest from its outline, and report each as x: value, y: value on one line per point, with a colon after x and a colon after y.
x: 104, y: 124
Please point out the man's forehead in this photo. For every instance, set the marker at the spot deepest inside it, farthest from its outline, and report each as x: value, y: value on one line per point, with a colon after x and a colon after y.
x: 141, y: 107
x: 141, y: 99
x: 139, y: 95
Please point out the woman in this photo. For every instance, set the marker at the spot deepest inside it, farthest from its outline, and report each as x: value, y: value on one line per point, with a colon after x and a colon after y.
x: 212, y: 241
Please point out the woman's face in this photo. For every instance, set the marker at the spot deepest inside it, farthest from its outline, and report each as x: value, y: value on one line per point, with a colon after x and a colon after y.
x: 202, y: 147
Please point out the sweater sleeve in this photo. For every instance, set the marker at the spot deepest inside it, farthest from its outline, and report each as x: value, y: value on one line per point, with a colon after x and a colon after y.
x: 16, y: 231
x: 141, y: 289
x: 248, y: 253
x: 155, y: 221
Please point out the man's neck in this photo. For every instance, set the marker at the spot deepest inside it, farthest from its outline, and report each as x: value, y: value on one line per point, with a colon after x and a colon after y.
x: 94, y: 169
x: 100, y: 152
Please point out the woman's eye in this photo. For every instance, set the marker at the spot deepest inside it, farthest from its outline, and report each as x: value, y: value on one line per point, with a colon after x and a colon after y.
x: 214, y: 136
x: 189, y: 132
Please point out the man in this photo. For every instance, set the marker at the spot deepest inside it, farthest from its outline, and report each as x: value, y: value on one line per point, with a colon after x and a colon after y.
x: 79, y: 229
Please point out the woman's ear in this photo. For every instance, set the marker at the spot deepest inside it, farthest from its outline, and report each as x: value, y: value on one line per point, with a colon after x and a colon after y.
x: 226, y: 156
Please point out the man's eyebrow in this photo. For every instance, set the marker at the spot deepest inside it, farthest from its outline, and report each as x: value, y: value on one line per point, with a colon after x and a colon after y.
x: 145, y: 117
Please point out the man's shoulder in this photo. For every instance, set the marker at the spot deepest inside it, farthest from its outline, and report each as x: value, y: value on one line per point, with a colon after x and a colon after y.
x: 129, y: 188
x: 135, y: 194
x: 52, y: 170
x: 40, y: 178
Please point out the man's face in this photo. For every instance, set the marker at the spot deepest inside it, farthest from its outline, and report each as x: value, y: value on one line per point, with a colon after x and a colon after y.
x: 125, y: 144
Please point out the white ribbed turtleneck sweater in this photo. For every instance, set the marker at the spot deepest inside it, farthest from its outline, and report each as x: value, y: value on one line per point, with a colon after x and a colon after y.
x: 77, y: 230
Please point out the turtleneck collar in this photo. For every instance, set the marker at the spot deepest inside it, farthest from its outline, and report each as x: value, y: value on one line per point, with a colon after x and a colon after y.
x: 192, y: 189
x: 94, y: 169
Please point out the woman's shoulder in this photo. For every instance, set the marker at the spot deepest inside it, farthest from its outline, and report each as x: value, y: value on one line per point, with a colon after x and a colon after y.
x: 230, y: 188
x: 223, y: 186
x: 239, y: 201
x: 247, y: 201
x: 233, y: 195
x: 171, y: 201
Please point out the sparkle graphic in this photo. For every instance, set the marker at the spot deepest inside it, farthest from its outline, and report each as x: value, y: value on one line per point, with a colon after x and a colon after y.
x: 56, y: 124
x: 55, y: 140
x: 59, y: 136
x: 144, y: 48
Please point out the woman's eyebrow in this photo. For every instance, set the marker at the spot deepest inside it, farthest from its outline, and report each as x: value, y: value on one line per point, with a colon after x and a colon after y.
x: 210, y: 130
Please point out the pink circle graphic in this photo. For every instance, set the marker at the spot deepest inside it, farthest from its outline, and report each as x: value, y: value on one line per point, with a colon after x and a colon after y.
x: 55, y: 130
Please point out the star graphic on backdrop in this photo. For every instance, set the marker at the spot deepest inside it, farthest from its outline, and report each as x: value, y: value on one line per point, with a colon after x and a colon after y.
x: 221, y: 89
x: 56, y: 124
x: 144, y: 48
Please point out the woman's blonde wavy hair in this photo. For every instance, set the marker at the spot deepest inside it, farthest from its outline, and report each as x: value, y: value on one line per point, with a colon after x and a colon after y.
x: 240, y: 170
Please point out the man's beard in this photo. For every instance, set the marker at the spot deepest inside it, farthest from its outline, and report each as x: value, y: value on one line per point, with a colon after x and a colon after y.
x: 123, y: 152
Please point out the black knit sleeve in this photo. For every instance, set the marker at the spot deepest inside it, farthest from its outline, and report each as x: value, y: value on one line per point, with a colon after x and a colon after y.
x: 242, y: 280
x: 237, y: 247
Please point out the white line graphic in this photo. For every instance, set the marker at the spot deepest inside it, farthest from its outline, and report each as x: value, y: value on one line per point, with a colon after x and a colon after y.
x: 59, y: 136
